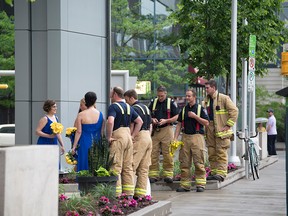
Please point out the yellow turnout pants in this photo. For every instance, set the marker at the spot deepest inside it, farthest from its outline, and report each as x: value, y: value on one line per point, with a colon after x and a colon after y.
x: 161, y: 140
x: 217, y: 151
x: 193, y: 150
x: 122, y: 150
x: 142, y: 149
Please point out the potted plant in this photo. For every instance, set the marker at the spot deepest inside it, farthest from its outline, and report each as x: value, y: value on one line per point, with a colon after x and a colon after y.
x: 99, y: 167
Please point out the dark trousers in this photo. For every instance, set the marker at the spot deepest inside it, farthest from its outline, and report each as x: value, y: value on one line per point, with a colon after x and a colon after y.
x: 271, y: 144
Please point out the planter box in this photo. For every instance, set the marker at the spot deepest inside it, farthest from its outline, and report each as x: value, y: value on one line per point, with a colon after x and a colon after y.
x: 87, y: 183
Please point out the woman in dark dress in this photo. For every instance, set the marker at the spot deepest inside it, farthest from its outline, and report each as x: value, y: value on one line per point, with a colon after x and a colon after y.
x: 44, y: 131
x: 90, y: 125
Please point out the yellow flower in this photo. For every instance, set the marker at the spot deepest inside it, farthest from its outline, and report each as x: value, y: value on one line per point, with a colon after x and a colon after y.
x: 56, y: 127
x: 174, y: 146
x: 70, y: 130
x: 70, y: 159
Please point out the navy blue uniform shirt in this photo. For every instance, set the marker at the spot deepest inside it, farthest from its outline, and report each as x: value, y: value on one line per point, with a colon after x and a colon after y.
x: 190, y: 123
x: 121, y: 120
x: 145, y: 118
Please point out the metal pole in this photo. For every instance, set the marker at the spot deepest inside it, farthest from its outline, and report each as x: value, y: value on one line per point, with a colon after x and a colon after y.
x: 233, y: 157
x: 154, y: 45
x: 7, y: 72
x: 286, y: 153
x: 244, y: 104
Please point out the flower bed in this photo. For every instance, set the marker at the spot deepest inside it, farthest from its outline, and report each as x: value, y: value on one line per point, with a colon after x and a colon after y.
x: 89, y: 206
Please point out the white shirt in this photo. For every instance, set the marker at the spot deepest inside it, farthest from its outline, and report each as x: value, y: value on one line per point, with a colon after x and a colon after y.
x: 272, y: 123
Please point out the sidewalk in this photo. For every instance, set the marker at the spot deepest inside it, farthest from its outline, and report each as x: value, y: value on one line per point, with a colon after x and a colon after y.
x: 266, y: 196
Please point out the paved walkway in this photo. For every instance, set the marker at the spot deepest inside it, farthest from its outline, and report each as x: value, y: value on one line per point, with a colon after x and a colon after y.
x: 265, y: 197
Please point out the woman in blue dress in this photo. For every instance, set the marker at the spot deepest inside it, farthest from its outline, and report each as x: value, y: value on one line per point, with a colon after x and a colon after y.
x: 44, y: 131
x: 90, y: 125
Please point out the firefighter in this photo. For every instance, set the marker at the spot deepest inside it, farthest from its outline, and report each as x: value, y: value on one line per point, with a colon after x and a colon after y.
x: 223, y: 114
x: 142, y: 144
x: 120, y: 115
x: 164, y: 112
x: 191, y: 119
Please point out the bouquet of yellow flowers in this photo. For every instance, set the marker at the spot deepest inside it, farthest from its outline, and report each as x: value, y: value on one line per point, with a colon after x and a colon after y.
x: 70, y: 159
x: 56, y: 127
x: 174, y: 146
x: 70, y: 131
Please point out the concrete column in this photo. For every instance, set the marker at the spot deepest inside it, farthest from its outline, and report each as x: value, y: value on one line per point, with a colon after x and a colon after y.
x: 61, y: 52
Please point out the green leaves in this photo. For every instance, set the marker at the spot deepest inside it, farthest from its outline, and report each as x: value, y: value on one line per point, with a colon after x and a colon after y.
x: 205, y: 34
x: 141, y: 43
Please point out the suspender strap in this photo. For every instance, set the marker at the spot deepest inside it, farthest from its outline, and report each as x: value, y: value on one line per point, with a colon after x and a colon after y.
x: 198, y: 114
x: 168, y: 108
x: 123, y: 114
x: 146, y: 115
x: 183, y: 114
x: 154, y: 104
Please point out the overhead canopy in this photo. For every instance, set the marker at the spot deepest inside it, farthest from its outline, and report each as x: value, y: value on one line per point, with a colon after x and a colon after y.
x: 283, y: 92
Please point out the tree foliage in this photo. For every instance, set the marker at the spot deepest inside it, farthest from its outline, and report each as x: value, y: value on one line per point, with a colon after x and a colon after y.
x: 131, y: 30
x: 205, y: 35
x: 7, y: 59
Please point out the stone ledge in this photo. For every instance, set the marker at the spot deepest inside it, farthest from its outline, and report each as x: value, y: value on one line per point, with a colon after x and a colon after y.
x: 70, y: 188
x: 160, y: 208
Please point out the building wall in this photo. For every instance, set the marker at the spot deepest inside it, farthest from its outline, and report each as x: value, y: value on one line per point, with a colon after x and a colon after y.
x: 61, y: 52
x: 273, y: 82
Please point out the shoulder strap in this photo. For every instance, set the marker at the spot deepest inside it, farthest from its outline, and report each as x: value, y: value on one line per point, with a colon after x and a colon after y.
x: 140, y: 108
x: 183, y: 114
x: 145, y: 125
x: 120, y: 107
x: 154, y: 104
x: 168, y: 103
x: 123, y: 113
x: 198, y: 114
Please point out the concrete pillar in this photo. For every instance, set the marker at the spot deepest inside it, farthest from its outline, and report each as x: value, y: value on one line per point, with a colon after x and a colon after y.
x: 61, y: 52
x: 29, y: 181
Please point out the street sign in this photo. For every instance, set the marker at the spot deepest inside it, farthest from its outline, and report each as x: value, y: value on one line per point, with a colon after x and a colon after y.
x: 251, y: 66
x: 252, y: 46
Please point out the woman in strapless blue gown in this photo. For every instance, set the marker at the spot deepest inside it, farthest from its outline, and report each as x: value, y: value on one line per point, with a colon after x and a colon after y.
x: 90, y: 125
x: 44, y: 131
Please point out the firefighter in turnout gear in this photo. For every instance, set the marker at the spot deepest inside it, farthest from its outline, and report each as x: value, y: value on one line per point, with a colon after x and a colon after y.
x: 223, y: 114
x: 142, y: 143
x: 191, y: 120
x: 120, y: 116
x: 164, y: 112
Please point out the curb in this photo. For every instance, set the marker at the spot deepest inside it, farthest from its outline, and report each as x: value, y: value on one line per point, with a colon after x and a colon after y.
x: 160, y: 208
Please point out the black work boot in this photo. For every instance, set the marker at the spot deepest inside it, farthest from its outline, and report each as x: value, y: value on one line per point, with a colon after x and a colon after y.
x: 168, y: 180
x: 200, y: 189
x: 180, y: 189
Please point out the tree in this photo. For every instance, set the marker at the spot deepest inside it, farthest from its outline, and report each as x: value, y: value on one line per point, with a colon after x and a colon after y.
x: 10, y: 2
x: 7, y: 97
x: 129, y: 27
x: 205, y: 34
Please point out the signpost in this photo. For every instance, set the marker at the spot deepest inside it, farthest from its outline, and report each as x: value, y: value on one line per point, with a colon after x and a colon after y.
x: 252, y: 53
